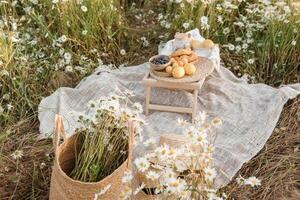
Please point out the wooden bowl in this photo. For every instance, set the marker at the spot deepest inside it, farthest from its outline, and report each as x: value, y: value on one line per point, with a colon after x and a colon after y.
x: 159, y: 66
x: 204, y: 67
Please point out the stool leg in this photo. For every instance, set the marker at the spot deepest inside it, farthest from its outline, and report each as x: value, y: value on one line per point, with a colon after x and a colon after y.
x: 148, y: 94
x: 195, y: 99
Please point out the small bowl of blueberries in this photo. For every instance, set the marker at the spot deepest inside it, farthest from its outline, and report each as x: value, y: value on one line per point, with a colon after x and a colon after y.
x: 159, y: 62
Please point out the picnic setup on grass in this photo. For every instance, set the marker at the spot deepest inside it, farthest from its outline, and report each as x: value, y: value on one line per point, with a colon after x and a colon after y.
x: 177, y: 127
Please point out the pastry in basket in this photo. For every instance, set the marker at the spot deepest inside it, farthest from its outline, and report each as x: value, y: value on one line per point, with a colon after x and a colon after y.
x: 190, y: 58
x: 181, y: 52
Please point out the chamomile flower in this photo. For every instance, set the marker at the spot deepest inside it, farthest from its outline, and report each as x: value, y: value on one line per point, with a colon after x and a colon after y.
x: 123, y: 52
x: 251, y: 61
x: 18, y: 154
x: 175, y: 185
x: 226, y: 30
x: 294, y: 42
x: 84, y: 8
x: 67, y: 57
x: 162, y: 152
x: 142, y: 164
x: 127, y: 177
x: 149, y: 142
x: 152, y: 175
x: 204, y: 23
x: 84, y: 32
x: 9, y: 106
x: 210, y: 174
x: 138, y: 107
x: 201, y: 138
x: 186, y: 25
x: 253, y: 181
x: 69, y: 68
x: 231, y: 47
x: 62, y: 39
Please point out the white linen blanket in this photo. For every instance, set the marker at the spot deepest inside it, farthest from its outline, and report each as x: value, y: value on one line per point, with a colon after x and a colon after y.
x: 249, y: 111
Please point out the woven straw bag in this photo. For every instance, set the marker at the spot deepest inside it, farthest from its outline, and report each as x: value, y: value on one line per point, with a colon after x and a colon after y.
x: 65, y: 188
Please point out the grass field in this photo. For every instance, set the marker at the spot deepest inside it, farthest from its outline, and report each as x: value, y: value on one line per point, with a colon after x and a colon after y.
x: 48, y: 44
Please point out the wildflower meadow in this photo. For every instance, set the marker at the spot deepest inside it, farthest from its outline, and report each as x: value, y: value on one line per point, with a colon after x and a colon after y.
x: 48, y: 44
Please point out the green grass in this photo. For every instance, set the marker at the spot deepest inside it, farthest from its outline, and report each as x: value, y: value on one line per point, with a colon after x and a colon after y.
x: 34, y: 67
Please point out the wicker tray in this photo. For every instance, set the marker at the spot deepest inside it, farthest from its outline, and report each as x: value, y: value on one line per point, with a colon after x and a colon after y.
x: 204, y: 68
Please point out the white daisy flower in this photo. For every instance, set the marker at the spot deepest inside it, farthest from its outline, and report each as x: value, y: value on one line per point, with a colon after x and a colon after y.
x: 122, y: 52
x: 186, y: 25
x: 245, y: 46
x: 9, y: 106
x: 175, y: 185
x: 69, y: 68
x: 220, y: 19
x: 17, y: 154
x: 142, y: 164
x: 226, y: 31
x: 149, y: 142
x: 204, y: 20
x: 210, y: 174
x: 162, y: 152
x: 231, y: 47
x: 253, y: 181
x: 84, y: 32
x: 62, y: 39
x: 251, y: 61
x: 138, y: 107
x: 294, y: 42
x: 84, y: 8
x: 200, y: 138
x: 67, y: 56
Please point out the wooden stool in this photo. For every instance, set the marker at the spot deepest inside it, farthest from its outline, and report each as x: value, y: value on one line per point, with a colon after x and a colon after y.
x: 149, y: 82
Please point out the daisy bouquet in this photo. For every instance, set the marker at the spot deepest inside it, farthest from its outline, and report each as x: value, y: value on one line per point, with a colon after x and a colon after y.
x: 185, y: 171
x: 103, y: 137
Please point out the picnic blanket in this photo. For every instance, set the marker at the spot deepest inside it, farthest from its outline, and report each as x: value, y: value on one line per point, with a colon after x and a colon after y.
x: 249, y: 111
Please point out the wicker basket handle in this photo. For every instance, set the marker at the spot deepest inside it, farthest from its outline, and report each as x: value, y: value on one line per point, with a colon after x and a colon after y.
x: 132, y: 128
x: 59, y: 132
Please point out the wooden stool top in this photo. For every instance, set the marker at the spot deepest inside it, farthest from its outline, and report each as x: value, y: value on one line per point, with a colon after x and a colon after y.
x: 149, y: 81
